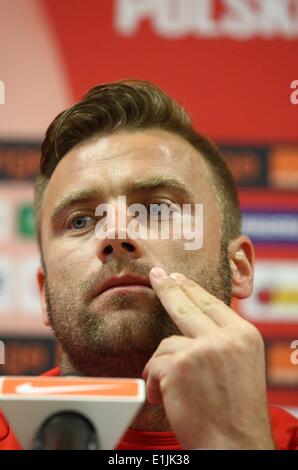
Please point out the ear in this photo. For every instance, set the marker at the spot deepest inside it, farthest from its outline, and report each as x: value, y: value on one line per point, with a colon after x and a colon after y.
x: 41, y: 285
x: 241, y: 258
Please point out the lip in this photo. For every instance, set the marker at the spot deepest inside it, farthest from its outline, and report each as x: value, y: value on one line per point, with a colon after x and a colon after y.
x: 123, y: 281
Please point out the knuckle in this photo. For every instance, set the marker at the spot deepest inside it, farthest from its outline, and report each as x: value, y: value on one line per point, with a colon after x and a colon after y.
x: 231, y: 346
x: 163, y: 384
x: 248, y: 339
x: 204, y: 351
x: 165, y: 342
x: 181, y: 363
x: 210, y: 302
x: 219, y: 346
x: 251, y: 335
x: 214, y: 348
x: 182, y: 310
x: 189, y: 284
x: 168, y: 285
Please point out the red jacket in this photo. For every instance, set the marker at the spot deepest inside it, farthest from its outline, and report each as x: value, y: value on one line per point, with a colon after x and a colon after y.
x: 284, y: 430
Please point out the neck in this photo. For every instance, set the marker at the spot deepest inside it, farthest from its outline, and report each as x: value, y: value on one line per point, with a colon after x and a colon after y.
x: 149, y: 418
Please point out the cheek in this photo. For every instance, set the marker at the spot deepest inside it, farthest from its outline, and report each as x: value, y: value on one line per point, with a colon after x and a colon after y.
x: 211, y: 233
x: 198, y: 239
x: 69, y: 259
x: 172, y: 256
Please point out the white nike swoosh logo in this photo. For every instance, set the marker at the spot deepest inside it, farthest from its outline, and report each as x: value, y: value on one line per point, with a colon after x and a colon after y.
x: 28, y: 388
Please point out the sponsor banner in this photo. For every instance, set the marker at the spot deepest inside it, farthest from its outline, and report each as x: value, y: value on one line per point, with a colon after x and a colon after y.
x: 268, y: 200
x: 275, y: 294
x: 20, y: 308
x: 249, y: 40
x: 283, y: 167
x: 19, y: 160
x: 282, y: 362
x: 25, y: 221
x: 207, y: 19
x: 248, y: 164
x: 251, y: 166
x: 16, y: 212
x: 268, y: 226
x: 29, y: 300
x: 275, y: 167
x: 18, y: 287
x: 25, y: 355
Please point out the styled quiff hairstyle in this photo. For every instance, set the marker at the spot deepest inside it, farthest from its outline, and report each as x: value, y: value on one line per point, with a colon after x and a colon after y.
x: 133, y: 105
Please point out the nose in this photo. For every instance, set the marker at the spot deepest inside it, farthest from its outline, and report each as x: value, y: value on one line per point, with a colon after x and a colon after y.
x: 119, y: 245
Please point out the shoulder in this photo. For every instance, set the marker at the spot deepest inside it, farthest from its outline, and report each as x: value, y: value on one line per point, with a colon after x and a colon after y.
x: 8, y: 441
x: 56, y: 371
x: 284, y: 429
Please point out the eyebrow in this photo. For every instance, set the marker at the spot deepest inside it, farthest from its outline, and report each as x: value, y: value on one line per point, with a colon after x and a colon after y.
x: 158, y: 182
x: 75, y: 197
x: 154, y: 183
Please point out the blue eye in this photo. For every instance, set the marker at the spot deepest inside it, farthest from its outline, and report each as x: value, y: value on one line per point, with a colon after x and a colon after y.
x: 154, y: 210
x: 80, y: 222
x: 163, y: 210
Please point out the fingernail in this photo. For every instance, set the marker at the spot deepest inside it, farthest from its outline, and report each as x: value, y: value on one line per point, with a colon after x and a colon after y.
x: 177, y: 276
x: 158, y: 273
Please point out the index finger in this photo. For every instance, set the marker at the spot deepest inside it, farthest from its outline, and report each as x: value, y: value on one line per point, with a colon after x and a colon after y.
x: 188, y: 317
x: 210, y: 305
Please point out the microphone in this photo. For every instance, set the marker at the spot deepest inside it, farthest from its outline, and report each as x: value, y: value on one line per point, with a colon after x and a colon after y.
x: 66, y: 431
x: 70, y: 412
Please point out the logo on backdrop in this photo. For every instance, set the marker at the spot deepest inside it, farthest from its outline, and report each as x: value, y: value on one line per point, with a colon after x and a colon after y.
x: 270, y: 226
x: 294, y: 94
x: 238, y: 19
x: 294, y: 355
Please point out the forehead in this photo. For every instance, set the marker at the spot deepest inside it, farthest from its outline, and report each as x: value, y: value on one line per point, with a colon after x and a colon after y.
x: 112, y: 162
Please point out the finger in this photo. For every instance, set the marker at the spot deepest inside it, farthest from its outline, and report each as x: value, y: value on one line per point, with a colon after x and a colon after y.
x: 186, y: 315
x: 156, y: 372
x: 172, y: 344
x: 169, y: 345
x: 210, y: 305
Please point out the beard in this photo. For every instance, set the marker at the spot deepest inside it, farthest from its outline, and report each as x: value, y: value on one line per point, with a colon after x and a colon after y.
x: 115, y: 335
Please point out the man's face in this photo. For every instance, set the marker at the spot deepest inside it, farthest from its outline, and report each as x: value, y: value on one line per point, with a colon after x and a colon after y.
x: 116, y: 332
